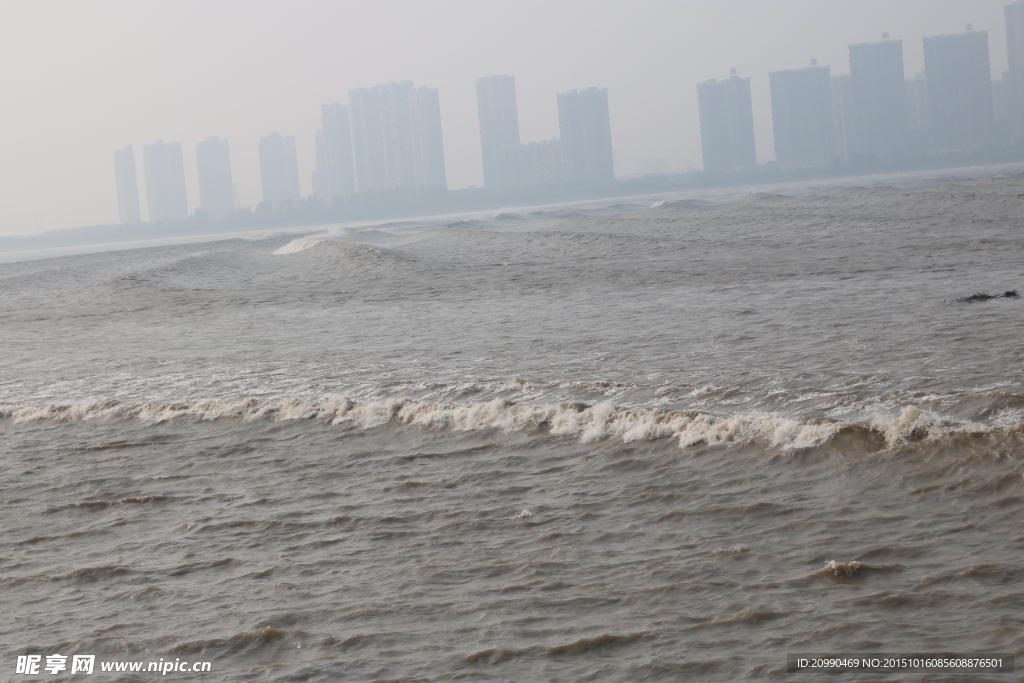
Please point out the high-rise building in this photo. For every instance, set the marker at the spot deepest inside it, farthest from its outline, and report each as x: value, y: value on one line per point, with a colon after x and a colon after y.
x: 959, y: 90
x: 334, y: 175
x: 216, y: 188
x: 499, y: 129
x: 878, y: 98
x: 396, y: 138
x: 165, y: 181
x: 279, y: 169
x: 726, y: 124
x: 1014, y: 80
x: 127, y: 186
x: 586, y: 136
x: 841, y: 114
x: 802, y: 115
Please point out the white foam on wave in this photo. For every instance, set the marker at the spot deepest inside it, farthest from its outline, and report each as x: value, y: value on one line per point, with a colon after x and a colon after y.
x: 917, y: 424
x: 297, y: 245
x: 842, y: 568
x: 1008, y: 418
x: 587, y: 423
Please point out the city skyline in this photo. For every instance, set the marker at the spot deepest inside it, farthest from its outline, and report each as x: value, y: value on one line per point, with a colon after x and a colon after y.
x: 389, y: 138
x: 653, y: 107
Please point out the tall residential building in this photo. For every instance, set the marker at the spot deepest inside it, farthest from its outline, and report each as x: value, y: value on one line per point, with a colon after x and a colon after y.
x: 586, y: 135
x: 334, y: 175
x: 842, y: 110
x: 726, y: 124
x: 802, y: 115
x: 216, y: 188
x: 878, y: 97
x: 396, y: 138
x: 499, y: 129
x: 959, y: 90
x: 165, y: 181
x: 127, y: 186
x: 279, y: 169
x: 1014, y: 79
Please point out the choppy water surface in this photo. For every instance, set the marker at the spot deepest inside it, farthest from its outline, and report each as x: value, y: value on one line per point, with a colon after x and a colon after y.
x: 609, y: 443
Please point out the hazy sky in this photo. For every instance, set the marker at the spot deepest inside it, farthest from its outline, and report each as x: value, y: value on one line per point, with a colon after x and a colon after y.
x: 80, y: 79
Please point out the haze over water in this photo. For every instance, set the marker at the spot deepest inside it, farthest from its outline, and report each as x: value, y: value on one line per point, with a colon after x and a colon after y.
x: 659, y: 440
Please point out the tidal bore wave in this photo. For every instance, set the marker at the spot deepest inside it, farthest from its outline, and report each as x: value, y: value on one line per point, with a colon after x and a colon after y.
x: 586, y: 422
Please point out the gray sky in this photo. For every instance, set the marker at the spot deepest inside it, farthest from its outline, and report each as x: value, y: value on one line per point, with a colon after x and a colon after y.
x: 80, y: 79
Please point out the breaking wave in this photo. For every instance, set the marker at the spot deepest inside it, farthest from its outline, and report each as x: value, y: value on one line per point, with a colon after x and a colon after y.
x: 300, y: 244
x: 588, y: 423
x: 845, y: 570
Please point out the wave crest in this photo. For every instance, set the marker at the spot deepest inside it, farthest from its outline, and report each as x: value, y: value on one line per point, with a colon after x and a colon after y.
x: 915, y: 424
x: 588, y: 423
x: 299, y: 244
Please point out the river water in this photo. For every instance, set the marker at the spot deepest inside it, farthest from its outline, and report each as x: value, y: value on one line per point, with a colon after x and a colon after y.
x: 652, y: 440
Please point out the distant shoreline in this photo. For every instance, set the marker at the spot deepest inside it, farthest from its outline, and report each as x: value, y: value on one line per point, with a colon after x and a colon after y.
x: 312, y: 214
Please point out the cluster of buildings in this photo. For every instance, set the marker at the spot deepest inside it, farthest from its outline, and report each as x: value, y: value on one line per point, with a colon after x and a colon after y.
x: 164, y: 169
x: 387, y: 138
x: 386, y: 142
x: 874, y: 113
x: 581, y: 155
